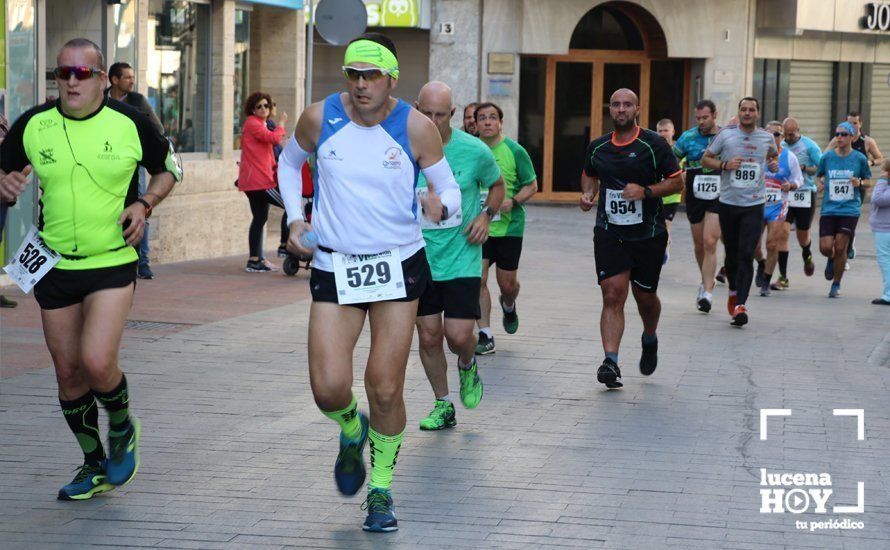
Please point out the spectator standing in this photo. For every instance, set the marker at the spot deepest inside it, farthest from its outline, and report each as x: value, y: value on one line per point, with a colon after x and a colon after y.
x: 256, y: 175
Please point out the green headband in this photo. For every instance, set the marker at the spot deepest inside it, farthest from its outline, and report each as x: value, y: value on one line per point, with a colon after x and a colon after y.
x: 371, y: 52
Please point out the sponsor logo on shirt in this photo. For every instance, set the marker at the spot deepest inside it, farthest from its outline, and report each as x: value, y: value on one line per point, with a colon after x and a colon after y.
x: 331, y: 154
x: 392, y: 158
x: 46, y: 156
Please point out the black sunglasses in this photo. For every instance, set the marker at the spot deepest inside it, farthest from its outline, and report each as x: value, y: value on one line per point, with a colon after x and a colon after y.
x: 64, y: 72
x: 842, y: 134
x: 777, y: 134
x: 261, y: 106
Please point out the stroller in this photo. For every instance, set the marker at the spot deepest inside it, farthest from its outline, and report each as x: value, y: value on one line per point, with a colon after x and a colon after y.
x: 291, y: 263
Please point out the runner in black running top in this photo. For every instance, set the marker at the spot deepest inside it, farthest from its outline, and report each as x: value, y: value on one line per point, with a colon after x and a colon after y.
x: 631, y: 168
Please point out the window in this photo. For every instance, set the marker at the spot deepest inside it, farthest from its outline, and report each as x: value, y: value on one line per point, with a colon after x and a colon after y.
x: 178, y: 72
x: 772, y: 78
x: 242, y: 70
x: 851, y: 91
x: 124, y: 32
x: 606, y: 28
x: 532, y: 93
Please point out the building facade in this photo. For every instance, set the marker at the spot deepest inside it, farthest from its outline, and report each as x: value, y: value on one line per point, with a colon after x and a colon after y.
x: 195, y: 61
x: 552, y: 65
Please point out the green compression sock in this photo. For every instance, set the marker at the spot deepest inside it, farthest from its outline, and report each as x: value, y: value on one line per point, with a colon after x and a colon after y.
x: 347, y: 419
x: 384, y: 452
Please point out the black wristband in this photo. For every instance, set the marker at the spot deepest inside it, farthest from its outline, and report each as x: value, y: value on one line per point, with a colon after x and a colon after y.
x: 647, y: 192
x: 516, y: 203
x: 147, y: 206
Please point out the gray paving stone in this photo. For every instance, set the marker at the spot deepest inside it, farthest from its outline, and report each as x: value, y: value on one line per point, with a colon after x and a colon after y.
x: 236, y: 455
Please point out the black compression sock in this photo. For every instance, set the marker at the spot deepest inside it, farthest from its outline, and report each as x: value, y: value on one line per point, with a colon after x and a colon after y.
x: 82, y: 416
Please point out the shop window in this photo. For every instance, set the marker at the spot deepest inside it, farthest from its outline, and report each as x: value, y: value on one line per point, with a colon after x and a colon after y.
x: 772, y: 79
x: 242, y: 70
x: 851, y: 91
x: 178, y: 72
x: 124, y: 29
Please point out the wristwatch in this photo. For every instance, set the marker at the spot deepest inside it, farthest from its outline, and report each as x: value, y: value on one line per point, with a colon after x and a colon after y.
x: 490, y: 211
x: 647, y: 192
x: 516, y: 203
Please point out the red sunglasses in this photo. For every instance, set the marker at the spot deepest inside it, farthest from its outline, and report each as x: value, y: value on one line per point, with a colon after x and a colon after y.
x: 64, y: 72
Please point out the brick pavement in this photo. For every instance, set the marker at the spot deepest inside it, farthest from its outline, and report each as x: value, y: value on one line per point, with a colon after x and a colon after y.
x: 235, y: 454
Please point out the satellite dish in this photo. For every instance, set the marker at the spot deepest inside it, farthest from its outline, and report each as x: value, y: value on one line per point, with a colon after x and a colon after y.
x: 339, y: 21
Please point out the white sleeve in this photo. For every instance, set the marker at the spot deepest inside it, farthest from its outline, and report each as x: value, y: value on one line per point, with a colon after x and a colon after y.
x: 290, y: 179
x: 445, y: 185
x: 796, y: 174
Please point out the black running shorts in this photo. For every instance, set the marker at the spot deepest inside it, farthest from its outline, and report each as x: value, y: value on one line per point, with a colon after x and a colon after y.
x: 800, y: 217
x: 458, y: 298
x: 642, y: 258
x: 65, y: 287
x: 829, y: 226
x: 503, y: 252
x: 697, y: 208
x: 415, y: 271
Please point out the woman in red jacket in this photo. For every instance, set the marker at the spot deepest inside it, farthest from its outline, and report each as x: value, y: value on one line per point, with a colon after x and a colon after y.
x: 257, y: 174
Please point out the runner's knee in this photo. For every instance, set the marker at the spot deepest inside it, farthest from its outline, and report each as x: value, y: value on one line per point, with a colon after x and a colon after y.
x: 459, y: 338
x: 384, y: 396
x: 68, y: 373
x: 100, y: 367
x: 430, y: 338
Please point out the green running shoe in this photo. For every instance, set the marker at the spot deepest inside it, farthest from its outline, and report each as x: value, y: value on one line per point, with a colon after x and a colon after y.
x: 470, y: 386
x: 90, y: 480
x: 485, y: 345
x: 511, y: 318
x: 441, y: 417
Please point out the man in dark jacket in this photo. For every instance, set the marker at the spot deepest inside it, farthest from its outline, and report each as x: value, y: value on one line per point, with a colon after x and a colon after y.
x: 123, y: 82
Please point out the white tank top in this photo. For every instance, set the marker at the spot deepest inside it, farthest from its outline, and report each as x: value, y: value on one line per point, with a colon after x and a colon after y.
x: 365, y: 183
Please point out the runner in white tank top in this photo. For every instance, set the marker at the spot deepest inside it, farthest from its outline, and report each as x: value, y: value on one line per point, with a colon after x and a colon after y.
x: 370, y: 257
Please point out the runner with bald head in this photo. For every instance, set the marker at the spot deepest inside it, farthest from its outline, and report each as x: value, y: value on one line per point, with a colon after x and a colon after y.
x: 631, y: 169
x: 454, y: 252
x: 801, y: 202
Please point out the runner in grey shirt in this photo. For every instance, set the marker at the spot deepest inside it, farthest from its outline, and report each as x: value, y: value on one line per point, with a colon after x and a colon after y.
x: 745, y: 154
x: 742, y: 153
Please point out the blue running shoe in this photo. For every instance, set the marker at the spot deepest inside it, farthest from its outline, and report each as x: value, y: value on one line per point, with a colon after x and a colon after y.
x: 90, y: 480
x: 123, y: 458
x: 835, y: 290
x: 381, y: 512
x: 349, y: 470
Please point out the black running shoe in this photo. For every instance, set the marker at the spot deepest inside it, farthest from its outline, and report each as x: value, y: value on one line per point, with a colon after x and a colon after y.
x: 649, y: 359
x: 758, y: 277
x: 609, y: 374
x: 721, y: 275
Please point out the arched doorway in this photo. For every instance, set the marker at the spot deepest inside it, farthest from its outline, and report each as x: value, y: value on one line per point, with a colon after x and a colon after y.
x: 563, y: 101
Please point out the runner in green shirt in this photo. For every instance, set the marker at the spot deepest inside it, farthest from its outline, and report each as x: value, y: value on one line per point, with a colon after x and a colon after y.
x: 85, y: 149
x: 504, y: 245
x: 454, y: 252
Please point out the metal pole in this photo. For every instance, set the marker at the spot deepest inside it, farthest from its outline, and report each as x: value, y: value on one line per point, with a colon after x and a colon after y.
x: 310, y: 39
